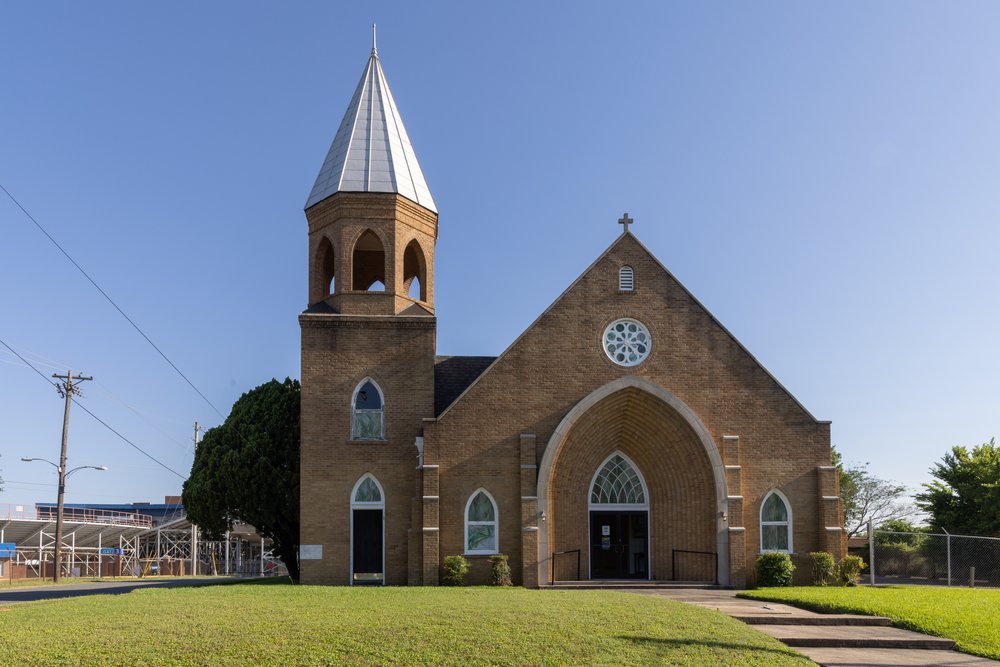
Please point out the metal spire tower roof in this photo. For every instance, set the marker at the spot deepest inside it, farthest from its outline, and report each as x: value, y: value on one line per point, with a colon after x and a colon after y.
x: 372, y: 152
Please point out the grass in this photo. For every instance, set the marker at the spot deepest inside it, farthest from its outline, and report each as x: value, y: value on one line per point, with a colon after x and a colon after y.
x: 969, y: 616
x: 280, y: 624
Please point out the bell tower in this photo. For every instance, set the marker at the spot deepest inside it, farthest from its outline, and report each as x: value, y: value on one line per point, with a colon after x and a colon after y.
x: 368, y: 345
x: 372, y: 220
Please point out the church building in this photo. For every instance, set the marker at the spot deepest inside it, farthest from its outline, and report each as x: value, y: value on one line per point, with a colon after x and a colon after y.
x: 626, y: 434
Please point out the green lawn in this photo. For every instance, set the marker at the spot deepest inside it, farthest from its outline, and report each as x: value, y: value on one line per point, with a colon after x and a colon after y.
x: 280, y: 624
x: 969, y: 616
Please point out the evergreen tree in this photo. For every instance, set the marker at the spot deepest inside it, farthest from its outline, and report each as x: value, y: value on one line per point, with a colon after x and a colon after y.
x: 247, y: 470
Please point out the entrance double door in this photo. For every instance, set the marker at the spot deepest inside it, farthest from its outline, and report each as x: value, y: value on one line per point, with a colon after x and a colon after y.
x: 619, y: 545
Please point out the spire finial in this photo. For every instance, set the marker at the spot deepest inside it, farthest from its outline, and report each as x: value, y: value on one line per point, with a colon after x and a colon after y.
x: 374, y: 47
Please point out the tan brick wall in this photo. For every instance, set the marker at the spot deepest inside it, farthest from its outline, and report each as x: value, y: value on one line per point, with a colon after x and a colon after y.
x: 482, y: 440
x: 559, y: 360
x: 337, y: 352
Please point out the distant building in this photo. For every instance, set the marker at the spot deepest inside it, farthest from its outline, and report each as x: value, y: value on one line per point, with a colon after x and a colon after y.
x: 626, y: 427
x: 171, y: 508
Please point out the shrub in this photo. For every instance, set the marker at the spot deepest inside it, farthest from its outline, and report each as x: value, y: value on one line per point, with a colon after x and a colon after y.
x: 849, y: 570
x: 774, y: 569
x: 455, y: 569
x: 501, y: 570
x: 823, y: 567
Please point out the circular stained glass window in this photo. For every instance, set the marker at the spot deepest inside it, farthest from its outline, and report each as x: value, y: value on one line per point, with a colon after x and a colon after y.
x: 627, y: 342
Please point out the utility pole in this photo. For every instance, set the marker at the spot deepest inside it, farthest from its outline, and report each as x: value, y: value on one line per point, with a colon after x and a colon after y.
x: 67, y: 389
x: 194, y: 528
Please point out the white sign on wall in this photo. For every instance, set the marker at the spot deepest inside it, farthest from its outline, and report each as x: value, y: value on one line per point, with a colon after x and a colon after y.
x: 310, y: 552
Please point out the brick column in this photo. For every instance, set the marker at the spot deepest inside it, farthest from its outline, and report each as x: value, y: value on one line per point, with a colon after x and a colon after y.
x: 529, y: 512
x: 736, y: 520
x: 833, y: 538
x: 431, y: 537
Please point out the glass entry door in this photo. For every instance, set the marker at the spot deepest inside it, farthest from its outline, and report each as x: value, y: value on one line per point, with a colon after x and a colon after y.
x: 619, y: 545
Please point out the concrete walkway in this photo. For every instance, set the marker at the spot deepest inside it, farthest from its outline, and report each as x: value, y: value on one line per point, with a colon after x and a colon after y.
x: 35, y: 593
x: 832, y: 640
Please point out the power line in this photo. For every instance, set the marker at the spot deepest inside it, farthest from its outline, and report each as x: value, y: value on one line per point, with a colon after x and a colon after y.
x: 99, y: 420
x: 110, y: 300
x: 136, y: 327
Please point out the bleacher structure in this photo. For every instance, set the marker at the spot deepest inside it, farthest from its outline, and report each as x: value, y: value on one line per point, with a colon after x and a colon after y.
x: 146, y: 541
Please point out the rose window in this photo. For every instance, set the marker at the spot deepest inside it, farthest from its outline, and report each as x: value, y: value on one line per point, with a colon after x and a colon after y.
x: 627, y: 342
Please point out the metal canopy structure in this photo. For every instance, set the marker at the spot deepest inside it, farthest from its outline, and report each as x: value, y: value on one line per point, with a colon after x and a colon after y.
x: 100, y: 543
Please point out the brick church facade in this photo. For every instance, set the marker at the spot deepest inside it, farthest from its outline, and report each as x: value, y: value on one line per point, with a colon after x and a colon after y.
x: 626, y: 430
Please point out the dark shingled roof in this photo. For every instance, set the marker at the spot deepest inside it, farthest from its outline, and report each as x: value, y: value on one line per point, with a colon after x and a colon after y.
x: 321, y: 307
x: 453, y: 375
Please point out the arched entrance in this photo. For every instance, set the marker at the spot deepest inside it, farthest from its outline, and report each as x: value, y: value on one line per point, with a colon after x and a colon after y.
x: 681, y: 474
x: 367, y: 532
x: 619, y: 521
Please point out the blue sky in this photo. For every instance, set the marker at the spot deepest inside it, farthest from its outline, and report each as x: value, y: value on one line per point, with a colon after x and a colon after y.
x: 823, y: 178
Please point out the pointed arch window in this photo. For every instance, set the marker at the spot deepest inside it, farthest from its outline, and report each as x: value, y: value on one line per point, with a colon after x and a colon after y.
x: 367, y: 412
x: 626, y: 279
x: 618, y: 483
x: 776, y: 523
x: 481, y: 524
x: 367, y: 493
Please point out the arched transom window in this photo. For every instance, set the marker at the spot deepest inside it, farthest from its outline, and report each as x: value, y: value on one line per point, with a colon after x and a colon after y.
x: 775, y: 523
x: 481, y: 524
x: 617, y: 482
x: 367, y: 493
x: 367, y: 412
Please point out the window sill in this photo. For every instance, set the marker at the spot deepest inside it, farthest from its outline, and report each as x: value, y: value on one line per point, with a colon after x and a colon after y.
x: 481, y: 554
x: 352, y: 441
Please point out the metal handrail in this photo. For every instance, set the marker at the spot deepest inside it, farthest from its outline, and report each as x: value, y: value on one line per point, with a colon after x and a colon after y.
x: 76, y: 514
x: 552, y: 575
x: 673, y: 561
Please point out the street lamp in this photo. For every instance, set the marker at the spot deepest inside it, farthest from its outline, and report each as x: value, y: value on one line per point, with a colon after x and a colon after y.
x: 59, y: 507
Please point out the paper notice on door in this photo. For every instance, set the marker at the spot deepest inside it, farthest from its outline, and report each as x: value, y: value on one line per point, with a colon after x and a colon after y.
x: 605, y: 530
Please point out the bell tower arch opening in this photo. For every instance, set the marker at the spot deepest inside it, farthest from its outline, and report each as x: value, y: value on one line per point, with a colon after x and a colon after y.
x: 368, y: 262
x: 414, y: 271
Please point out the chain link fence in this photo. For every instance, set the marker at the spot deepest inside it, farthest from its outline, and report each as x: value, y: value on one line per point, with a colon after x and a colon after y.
x: 932, y: 559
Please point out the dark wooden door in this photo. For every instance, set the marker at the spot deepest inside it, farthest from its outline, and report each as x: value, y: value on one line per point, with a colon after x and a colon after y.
x: 367, y: 547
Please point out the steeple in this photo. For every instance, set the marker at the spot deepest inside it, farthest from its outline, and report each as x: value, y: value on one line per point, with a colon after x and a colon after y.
x: 372, y: 221
x: 372, y: 152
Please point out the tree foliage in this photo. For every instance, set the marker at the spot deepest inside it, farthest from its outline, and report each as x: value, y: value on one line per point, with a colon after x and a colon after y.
x: 869, y: 498
x: 247, y: 470
x: 965, y: 495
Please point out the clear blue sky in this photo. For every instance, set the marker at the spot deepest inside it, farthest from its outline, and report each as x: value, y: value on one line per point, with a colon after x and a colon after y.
x: 823, y: 178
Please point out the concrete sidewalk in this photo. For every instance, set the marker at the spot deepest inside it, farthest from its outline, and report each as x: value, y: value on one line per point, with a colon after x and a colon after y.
x: 55, y: 592
x: 832, y: 640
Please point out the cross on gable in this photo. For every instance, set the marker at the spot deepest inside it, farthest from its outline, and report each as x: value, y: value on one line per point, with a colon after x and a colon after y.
x: 625, y: 221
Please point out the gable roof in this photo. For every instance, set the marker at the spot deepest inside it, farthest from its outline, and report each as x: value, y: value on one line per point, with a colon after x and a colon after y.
x: 628, y: 234
x: 372, y: 152
x: 452, y: 375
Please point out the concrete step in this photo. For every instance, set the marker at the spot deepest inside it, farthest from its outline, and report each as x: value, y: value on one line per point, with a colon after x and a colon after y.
x: 874, y: 657
x: 628, y: 584
x: 854, y: 637
x: 818, y: 619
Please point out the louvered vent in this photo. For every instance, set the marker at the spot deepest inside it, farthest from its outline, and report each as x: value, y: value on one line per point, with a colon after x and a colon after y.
x: 626, y: 279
